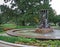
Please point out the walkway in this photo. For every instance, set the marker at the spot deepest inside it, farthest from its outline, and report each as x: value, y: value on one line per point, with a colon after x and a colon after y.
x: 4, y: 34
x: 3, y: 45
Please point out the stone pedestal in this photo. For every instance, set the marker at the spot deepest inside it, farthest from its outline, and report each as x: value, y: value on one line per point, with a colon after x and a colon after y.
x: 44, y: 30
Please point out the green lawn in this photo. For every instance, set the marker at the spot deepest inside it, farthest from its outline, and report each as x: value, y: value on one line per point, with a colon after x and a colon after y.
x: 25, y: 27
x: 14, y: 26
x: 8, y: 25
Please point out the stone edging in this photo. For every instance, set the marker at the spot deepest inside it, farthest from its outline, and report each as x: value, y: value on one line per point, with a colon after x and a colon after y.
x: 17, y: 45
x: 44, y: 37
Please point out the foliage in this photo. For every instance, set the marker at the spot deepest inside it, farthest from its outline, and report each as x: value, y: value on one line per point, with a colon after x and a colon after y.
x: 1, y: 29
x: 59, y: 23
x: 27, y: 11
x: 12, y: 26
x: 17, y: 39
x: 25, y: 27
x: 0, y: 19
x: 31, y: 41
x: 8, y: 25
x: 55, y: 19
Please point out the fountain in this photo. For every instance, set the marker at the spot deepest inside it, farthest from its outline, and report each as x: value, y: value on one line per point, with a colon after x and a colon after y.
x: 44, y: 30
x: 44, y: 26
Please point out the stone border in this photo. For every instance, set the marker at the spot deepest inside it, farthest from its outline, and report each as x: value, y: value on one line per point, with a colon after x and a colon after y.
x: 17, y: 45
x: 11, y: 33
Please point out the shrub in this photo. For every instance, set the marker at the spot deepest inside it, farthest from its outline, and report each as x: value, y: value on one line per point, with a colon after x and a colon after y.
x: 8, y: 26
x: 1, y: 29
x: 32, y: 41
x: 59, y: 23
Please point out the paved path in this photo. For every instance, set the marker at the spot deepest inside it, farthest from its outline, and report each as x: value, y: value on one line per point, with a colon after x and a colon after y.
x: 4, y: 45
x: 4, y: 34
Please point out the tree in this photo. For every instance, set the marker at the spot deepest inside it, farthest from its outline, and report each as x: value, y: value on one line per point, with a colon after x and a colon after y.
x: 28, y: 10
x: 7, y: 13
x: 57, y: 19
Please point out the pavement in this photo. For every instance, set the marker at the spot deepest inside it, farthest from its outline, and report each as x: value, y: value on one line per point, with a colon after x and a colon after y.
x: 4, y: 45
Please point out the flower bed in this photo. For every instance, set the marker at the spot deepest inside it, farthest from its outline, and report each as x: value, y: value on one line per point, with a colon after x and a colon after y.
x: 26, y: 41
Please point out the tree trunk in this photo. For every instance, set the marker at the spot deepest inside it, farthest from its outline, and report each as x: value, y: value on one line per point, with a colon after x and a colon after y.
x: 55, y: 24
x: 23, y: 23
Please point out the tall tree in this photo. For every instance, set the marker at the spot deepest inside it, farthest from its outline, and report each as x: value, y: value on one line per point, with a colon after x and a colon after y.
x: 28, y: 10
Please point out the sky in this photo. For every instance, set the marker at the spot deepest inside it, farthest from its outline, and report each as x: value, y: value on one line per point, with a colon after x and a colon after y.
x: 54, y: 4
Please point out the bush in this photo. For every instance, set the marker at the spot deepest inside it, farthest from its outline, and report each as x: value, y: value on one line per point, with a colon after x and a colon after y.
x: 8, y: 26
x: 1, y: 28
x: 32, y: 41
x: 59, y: 23
x: 18, y: 40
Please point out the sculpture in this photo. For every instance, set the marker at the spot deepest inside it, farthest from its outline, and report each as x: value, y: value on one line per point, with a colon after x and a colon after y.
x: 44, y: 19
x: 44, y: 26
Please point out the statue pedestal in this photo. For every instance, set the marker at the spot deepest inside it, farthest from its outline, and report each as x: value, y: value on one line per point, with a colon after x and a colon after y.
x: 44, y: 30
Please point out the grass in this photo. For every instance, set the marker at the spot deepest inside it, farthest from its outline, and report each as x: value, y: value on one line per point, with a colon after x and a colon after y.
x: 32, y: 41
x: 14, y: 26
x: 18, y: 40
x: 25, y: 27
x: 18, y: 27
x: 8, y: 25
x: 22, y: 40
x: 1, y: 32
